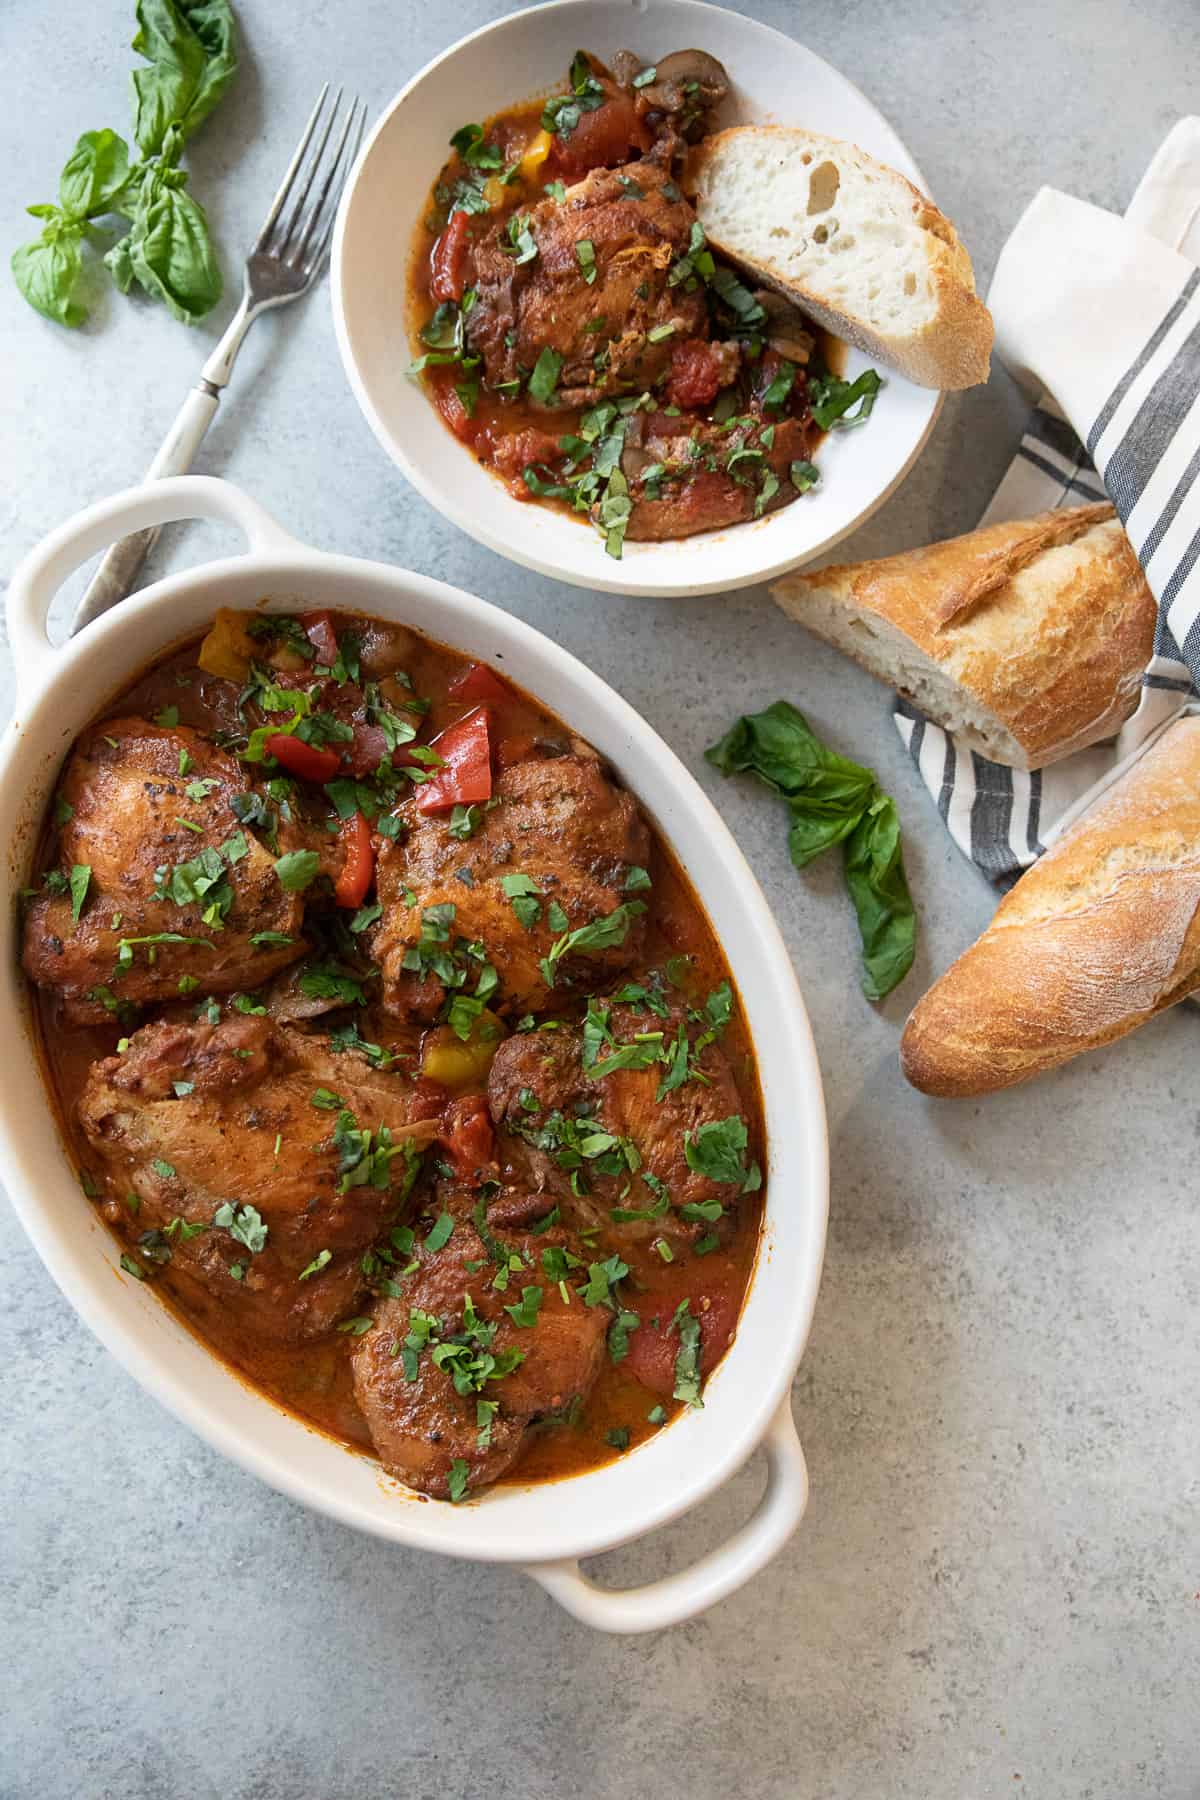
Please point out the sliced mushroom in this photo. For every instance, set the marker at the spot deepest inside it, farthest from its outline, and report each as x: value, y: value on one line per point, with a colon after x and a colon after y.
x: 787, y: 329
x: 686, y: 81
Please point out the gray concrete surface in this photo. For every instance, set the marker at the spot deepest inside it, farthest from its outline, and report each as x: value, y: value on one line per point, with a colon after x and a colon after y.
x: 996, y: 1589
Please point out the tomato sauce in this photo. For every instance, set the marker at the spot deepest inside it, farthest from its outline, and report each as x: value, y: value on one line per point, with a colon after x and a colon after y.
x: 313, y: 1380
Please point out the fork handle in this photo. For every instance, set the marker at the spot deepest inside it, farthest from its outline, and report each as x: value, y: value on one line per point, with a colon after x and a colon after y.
x: 118, y: 570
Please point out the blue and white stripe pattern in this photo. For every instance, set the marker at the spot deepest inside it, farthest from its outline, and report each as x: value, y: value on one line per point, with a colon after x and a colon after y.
x: 1141, y: 450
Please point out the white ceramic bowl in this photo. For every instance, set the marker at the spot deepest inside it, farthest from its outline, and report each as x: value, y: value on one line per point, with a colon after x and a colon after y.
x: 746, y: 1401
x: 775, y: 79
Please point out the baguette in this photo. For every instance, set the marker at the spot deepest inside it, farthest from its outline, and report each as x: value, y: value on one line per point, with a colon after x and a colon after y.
x: 853, y: 243
x: 1098, y: 936
x: 1026, y: 639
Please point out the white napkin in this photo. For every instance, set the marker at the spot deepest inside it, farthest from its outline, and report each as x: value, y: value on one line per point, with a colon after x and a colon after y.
x: 1103, y: 315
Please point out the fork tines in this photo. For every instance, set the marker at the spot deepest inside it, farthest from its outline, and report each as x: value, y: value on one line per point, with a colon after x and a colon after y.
x: 297, y: 235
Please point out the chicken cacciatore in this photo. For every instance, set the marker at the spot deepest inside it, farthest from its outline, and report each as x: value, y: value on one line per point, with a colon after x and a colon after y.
x: 575, y: 330
x: 393, y: 1044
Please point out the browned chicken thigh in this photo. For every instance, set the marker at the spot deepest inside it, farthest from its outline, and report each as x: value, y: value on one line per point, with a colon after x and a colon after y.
x: 247, y: 1169
x: 596, y: 292
x: 610, y: 1109
x: 457, y: 1370
x: 171, y: 893
x: 555, y: 851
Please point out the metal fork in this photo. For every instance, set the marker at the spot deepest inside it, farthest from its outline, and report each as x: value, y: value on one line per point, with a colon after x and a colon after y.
x: 283, y: 263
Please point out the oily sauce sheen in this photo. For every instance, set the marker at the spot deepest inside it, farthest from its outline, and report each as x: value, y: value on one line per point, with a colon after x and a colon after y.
x: 238, y: 1131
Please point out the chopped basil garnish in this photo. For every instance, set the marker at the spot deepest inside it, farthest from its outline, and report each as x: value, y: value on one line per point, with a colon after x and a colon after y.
x: 687, y: 1361
x: 717, y: 1150
x: 297, y: 870
x: 831, y: 399
x: 544, y: 378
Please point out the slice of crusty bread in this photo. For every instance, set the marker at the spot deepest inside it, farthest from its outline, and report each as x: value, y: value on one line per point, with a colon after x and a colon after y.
x: 1026, y: 639
x: 1098, y: 936
x: 853, y: 243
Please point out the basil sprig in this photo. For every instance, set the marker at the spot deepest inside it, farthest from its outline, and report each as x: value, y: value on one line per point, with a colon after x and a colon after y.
x: 834, y: 801
x: 190, y: 61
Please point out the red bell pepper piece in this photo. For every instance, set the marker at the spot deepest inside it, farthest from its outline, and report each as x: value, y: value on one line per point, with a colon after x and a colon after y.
x: 304, y: 760
x: 479, y: 683
x: 466, y: 751
x: 448, y: 260
x: 358, y: 866
x: 318, y: 629
x: 467, y: 1134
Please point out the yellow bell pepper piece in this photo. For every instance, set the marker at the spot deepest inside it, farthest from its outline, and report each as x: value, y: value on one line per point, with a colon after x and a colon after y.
x: 228, y: 650
x: 535, y: 155
x: 445, y: 1057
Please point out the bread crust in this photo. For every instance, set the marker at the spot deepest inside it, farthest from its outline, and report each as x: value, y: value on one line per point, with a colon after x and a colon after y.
x: 952, y: 351
x: 1097, y: 937
x: 1053, y: 650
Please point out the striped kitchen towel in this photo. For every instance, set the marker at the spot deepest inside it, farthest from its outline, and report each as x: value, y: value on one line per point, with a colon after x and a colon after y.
x: 1103, y: 316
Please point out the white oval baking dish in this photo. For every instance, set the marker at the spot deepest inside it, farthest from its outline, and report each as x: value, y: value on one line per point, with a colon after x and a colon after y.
x: 746, y: 1401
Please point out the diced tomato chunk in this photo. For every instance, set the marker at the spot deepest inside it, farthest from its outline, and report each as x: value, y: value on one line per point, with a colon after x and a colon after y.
x: 455, y: 413
x: 318, y: 629
x: 695, y: 377
x: 479, y: 683
x: 467, y: 1134
x: 367, y: 751
x: 358, y: 862
x: 299, y: 758
x: 603, y: 138
x: 652, y: 1351
x: 466, y: 776
x: 448, y: 260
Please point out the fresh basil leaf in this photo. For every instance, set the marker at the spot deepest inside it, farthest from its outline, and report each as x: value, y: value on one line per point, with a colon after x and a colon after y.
x: 94, y: 174
x: 119, y: 262
x: 827, y: 792
x: 189, y: 45
x: 887, y: 920
x: 171, y: 253
x: 47, y: 271
x: 834, y: 801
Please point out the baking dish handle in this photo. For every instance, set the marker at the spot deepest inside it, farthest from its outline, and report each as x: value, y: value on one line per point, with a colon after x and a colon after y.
x: 682, y: 1596
x: 41, y: 574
